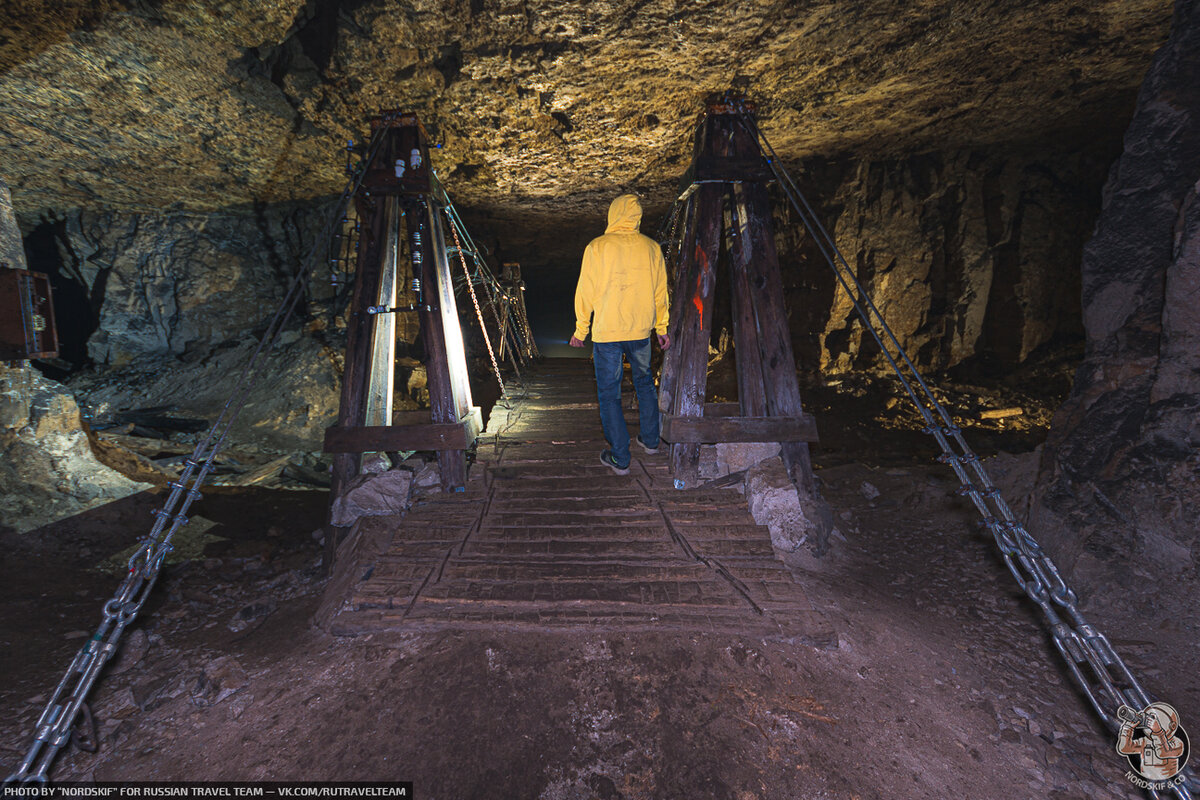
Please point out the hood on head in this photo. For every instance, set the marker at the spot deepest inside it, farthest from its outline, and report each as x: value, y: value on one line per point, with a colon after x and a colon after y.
x: 624, y: 214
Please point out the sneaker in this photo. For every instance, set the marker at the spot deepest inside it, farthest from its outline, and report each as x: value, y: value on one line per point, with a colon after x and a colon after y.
x: 649, y: 450
x: 606, y: 458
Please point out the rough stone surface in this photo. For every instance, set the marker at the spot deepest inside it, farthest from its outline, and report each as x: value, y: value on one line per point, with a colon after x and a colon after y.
x: 47, y: 469
x: 373, y: 495
x: 964, y: 253
x: 1118, y: 498
x: 293, y: 401
x: 774, y: 502
x: 169, y: 284
x: 12, y: 250
x: 543, y: 104
x: 188, y: 130
x: 736, y: 456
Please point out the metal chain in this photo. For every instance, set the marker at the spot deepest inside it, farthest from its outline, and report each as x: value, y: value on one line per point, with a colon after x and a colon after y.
x: 1094, y: 665
x: 487, y: 340
x: 53, y: 728
x: 483, y: 277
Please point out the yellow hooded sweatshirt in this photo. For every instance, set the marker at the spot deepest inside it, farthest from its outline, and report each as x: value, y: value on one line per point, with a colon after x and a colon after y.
x: 623, y: 281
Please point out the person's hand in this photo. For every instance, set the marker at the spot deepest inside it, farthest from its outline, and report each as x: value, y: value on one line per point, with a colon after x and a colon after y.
x: 664, y: 341
x: 575, y: 341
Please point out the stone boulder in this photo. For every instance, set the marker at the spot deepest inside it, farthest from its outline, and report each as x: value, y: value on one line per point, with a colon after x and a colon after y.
x: 47, y: 469
x: 373, y: 495
x: 775, y: 502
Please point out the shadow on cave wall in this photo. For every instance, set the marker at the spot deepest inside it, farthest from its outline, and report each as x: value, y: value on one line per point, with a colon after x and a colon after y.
x: 76, y: 304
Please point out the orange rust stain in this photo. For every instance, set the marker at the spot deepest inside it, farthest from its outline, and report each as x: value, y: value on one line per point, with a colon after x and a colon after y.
x: 697, y: 298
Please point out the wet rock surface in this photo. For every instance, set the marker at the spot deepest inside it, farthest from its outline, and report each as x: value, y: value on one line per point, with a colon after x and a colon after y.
x: 289, y: 407
x: 971, y: 256
x: 173, y: 284
x: 12, y: 250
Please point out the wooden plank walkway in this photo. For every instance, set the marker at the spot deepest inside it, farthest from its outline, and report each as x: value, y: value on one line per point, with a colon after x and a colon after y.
x: 545, y: 536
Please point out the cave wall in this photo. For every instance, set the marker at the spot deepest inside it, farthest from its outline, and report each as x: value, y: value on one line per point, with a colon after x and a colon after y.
x: 12, y: 254
x: 1118, y: 496
x: 971, y: 256
x: 171, y: 284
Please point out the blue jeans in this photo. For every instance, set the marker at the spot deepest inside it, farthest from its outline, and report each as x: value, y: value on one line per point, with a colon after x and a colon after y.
x: 607, y: 357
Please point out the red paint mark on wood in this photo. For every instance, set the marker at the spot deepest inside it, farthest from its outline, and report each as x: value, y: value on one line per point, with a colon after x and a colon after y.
x: 698, y: 297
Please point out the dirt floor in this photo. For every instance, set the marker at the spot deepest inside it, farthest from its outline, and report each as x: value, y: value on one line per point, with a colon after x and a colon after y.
x: 943, y: 683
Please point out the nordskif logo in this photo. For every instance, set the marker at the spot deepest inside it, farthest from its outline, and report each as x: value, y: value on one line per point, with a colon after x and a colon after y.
x: 1154, y: 742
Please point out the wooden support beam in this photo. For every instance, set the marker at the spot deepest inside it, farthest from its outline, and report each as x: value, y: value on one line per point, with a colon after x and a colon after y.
x: 747, y: 351
x: 419, y: 436
x: 723, y: 410
x: 382, y: 374
x: 445, y: 361
x: 712, y: 430
x: 775, y: 343
x: 695, y: 330
x: 736, y: 169
x: 684, y: 276
x: 356, y: 372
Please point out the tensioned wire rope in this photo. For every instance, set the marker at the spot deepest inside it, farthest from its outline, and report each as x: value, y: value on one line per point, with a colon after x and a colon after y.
x: 54, y: 727
x: 1113, y: 686
x: 486, y: 279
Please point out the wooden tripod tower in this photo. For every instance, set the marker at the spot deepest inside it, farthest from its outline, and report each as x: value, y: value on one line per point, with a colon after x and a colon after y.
x: 727, y: 222
x: 401, y: 220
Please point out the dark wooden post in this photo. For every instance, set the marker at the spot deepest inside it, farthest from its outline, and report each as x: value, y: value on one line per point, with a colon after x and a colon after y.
x: 727, y: 194
x: 398, y: 181
x: 774, y: 339
x: 445, y: 358
x: 688, y: 371
x: 747, y: 353
x: 359, y: 335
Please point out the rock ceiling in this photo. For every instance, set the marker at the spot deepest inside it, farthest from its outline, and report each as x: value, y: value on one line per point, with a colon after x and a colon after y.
x: 542, y: 106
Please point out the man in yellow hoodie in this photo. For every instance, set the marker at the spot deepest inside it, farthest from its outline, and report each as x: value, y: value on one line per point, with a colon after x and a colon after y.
x: 622, y: 297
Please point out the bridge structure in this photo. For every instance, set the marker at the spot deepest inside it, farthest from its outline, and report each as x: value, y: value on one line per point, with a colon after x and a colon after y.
x: 537, y: 533
x: 546, y: 537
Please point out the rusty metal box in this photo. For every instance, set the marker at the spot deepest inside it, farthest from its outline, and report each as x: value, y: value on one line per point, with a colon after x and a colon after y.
x: 26, y: 316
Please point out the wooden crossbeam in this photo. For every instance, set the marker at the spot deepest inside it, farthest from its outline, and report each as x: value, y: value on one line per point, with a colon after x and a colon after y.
x: 712, y: 430
x: 415, y: 436
x: 737, y: 169
x: 728, y: 220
